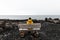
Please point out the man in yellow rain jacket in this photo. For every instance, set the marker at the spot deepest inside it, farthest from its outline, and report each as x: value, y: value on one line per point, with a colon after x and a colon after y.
x: 29, y: 21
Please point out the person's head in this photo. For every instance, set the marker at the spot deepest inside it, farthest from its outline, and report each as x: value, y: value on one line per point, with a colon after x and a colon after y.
x: 29, y: 17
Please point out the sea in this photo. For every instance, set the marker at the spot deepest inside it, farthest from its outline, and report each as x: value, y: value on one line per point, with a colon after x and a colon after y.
x: 19, y: 17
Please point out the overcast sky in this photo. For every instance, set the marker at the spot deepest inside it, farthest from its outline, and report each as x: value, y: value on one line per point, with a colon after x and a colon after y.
x: 29, y: 7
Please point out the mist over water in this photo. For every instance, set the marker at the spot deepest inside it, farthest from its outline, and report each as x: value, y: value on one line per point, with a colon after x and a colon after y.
x: 19, y: 17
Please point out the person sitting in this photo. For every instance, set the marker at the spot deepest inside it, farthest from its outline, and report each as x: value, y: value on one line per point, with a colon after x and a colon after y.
x: 29, y: 21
